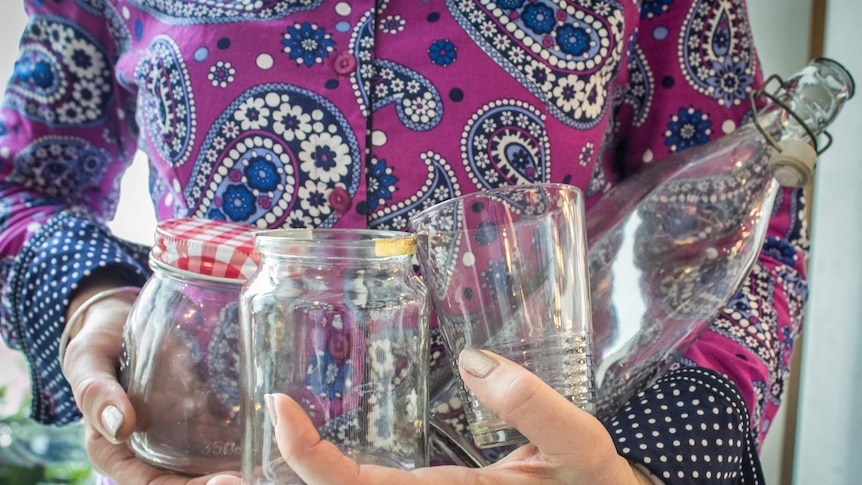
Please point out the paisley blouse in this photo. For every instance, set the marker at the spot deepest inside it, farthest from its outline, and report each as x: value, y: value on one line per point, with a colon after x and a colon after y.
x: 357, y: 113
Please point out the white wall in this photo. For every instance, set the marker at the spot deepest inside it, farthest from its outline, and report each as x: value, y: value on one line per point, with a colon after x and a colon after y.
x: 828, y: 447
x: 11, y: 23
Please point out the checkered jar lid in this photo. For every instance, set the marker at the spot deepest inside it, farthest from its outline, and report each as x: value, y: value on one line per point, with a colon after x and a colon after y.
x: 212, y: 248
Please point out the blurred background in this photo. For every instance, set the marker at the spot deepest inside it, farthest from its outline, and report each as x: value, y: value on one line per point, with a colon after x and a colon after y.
x: 814, y: 439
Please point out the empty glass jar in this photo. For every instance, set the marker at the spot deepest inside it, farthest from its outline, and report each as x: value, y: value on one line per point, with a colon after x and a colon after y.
x: 338, y: 320
x: 181, y: 347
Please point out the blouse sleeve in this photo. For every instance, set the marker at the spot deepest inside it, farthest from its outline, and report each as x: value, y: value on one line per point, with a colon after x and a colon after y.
x: 691, y: 68
x: 66, y: 136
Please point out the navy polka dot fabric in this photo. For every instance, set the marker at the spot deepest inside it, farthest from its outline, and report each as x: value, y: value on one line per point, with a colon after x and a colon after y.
x: 65, y: 250
x: 692, y: 426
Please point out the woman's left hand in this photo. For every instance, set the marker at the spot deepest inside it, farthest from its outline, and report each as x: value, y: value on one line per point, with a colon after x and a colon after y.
x: 567, y: 445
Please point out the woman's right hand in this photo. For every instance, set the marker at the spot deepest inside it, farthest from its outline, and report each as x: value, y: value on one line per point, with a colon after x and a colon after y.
x: 567, y: 445
x: 90, y: 364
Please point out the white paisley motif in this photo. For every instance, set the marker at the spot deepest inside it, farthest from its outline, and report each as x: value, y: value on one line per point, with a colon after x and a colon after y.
x: 56, y: 55
x: 716, y: 52
x: 552, y: 47
x: 505, y: 143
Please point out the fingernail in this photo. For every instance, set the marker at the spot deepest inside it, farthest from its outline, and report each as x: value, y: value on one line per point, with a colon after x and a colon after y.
x: 112, y: 419
x: 477, y: 363
x: 270, y: 408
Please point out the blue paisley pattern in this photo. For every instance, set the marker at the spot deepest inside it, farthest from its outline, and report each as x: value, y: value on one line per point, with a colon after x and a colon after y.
x: 69, y: 86
x: 506, y: 143
x: 639, y: 91
x: 440, y: 184
x: 190, y: 12
x: 262, y: 163
x: 565, y: 54
x: 416, y: 100
x: 166, y: 101
x: 61, y: 167
x: 716, y: 50
x: 94, y: 6
x: 117, y: 28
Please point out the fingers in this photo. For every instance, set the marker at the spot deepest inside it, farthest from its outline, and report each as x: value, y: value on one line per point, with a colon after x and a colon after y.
x: 315, y: 461
x: 118, y: 463
x: 319, y: 462
x: 551, y: 423
x: 90, y: 365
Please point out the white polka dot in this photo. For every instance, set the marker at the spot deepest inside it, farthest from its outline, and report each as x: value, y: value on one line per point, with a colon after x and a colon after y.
x: 343, y: 9
x: 379, y: 138
x: 468, y: 259
x: 264, y: 61
x: 126, y: 13
x: 729, y: 126
x: 648, y: 156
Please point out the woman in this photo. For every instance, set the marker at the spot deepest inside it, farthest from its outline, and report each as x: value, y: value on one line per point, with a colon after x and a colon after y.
x: 357, y: 114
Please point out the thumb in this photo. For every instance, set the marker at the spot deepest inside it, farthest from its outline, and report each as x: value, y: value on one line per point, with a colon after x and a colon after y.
x: 525, y: 402
x: 90, y: 366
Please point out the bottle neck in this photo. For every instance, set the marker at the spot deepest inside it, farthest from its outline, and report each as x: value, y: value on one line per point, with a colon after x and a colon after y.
x: 807, y: 102
x: 781, y: 125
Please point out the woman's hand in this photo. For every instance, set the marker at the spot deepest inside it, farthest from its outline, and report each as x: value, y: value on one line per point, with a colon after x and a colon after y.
x: 90, y: 364
x: 567, y: 445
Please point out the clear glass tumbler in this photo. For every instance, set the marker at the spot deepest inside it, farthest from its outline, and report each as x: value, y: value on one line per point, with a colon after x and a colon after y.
x: 506, y: 271
x: 338, y: 320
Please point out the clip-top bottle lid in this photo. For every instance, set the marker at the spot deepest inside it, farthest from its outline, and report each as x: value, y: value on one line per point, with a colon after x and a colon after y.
x: 212, y: 248
x: 793, y: 164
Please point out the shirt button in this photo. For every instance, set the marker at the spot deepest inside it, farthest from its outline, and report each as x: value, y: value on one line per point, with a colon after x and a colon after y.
x: 344, y: 63
x: 339, y: 199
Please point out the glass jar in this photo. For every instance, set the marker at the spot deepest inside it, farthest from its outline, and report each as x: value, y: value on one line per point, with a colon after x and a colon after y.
x: 181, y: 347
x: 338, y: 320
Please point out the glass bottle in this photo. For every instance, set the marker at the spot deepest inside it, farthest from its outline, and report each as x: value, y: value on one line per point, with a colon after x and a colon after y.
x: 181, y: 347
x: 670, y: 246
x: 338, y: 320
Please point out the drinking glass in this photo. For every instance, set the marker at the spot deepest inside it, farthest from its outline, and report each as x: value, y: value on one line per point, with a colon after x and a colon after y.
x: 506, y: 272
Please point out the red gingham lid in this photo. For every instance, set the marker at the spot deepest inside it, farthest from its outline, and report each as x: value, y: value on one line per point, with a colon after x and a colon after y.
x: 207, y: 247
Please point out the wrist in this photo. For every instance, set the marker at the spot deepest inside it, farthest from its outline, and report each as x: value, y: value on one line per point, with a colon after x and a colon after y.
x: 84, y: 301
x: 99, y: 280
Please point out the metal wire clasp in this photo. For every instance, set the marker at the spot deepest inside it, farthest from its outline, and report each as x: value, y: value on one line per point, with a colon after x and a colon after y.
x: 762, y: 92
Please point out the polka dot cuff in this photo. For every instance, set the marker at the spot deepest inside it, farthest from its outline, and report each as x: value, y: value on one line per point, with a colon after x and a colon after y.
x: 66, y: 249
x: 692, y: 426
